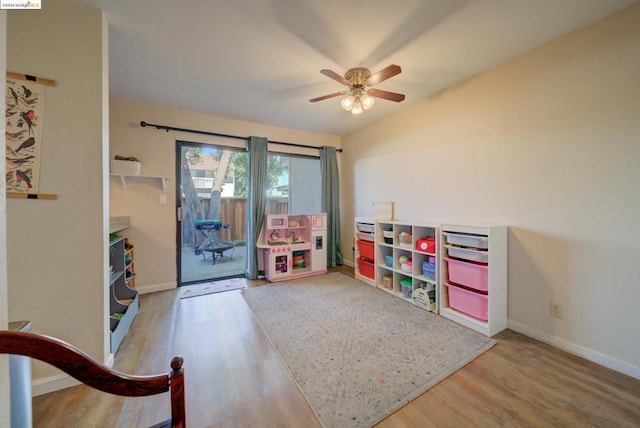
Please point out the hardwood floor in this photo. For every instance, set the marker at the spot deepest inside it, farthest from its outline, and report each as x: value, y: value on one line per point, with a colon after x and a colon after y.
x: 234, y: 378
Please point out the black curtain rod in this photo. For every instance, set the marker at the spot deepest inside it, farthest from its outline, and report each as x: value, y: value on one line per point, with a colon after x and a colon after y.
x: 216, y: 134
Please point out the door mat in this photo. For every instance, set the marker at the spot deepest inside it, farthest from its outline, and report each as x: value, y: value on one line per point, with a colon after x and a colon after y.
x: 211, y: 287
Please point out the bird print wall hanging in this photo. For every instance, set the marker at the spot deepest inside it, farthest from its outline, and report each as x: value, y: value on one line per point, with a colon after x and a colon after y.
x: 23, y: 113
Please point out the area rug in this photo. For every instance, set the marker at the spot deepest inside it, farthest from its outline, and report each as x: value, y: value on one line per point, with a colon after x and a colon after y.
x: 358, y: 353
x: 211, y: 287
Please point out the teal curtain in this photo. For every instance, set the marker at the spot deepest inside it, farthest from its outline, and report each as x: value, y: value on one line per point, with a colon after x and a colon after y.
x: 257, y: 200
x: 331, y: 203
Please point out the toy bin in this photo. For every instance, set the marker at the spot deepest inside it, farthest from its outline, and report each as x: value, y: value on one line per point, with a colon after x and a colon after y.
x: 362, y: 227
x: 472, y: 275
x: 366, y: 268
x: 426, y: 245
x: 468, y: 240
x: 473, y: 255
x: 366, y: 250
x: 387, y: 282
x: 406, y: 287
x: 366, y: 236
x: 124, y: 167
x: 469, y: 302
x: 405, y: 239
x: 429, y: 268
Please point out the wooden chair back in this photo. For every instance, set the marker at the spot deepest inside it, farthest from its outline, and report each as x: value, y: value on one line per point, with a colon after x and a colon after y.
x: 90, y: 371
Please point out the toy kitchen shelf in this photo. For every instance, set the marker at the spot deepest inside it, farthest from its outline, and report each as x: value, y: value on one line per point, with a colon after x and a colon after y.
x: 294, y: 246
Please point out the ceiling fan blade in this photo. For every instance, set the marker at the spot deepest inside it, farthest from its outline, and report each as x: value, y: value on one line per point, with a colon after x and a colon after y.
x: 335, y: 76
x: 391, y: 96
x: 324, y: 97
x: 383, y: 75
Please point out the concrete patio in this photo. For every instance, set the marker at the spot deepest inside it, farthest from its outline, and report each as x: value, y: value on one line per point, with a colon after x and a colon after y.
x: 195, y: 268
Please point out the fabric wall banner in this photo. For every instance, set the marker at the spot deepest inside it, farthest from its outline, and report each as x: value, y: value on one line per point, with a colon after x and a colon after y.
x: 24, y: 106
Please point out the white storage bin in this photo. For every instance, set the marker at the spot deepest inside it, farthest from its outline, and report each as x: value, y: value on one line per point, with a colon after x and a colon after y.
x: 123, y: 167
x: 473, y: 241
x: 405, y: 239
x: 467, y: 254
x: 366, y: 236
x: 362, y: 227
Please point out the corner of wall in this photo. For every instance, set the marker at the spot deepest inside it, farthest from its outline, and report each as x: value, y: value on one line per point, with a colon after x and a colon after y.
x: 4, y: 309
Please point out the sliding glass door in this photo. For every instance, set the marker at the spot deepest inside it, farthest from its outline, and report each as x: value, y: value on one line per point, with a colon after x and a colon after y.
x: 211, y: 199
x: 212, y: 190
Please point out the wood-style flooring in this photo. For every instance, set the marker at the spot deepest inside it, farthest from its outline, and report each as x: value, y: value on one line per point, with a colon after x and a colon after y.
x: 234, y: 378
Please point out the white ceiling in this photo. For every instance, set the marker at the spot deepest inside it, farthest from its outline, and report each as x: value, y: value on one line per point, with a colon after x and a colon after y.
x: 260, y: 60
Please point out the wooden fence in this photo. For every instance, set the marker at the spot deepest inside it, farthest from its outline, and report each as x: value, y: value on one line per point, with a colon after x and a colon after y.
x: 233, y: 211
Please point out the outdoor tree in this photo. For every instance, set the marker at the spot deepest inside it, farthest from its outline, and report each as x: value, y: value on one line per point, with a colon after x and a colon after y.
x: 231, y: 163
x: 240, y: 161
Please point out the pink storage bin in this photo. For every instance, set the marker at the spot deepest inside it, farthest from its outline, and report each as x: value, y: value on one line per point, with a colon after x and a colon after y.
x: 473, y: 275
x: 469, y: 302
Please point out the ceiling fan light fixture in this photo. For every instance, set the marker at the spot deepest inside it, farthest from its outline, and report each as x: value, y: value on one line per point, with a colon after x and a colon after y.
x: 347, y: 102
x: 357, y: 106
x: 367, y: 102
x: 360, y: 96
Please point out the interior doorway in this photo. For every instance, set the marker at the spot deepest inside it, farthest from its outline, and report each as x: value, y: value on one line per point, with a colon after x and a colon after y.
x: 211, y: 198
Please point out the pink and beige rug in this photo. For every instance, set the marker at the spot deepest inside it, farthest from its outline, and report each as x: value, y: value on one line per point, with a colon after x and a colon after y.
x: 358, y: 353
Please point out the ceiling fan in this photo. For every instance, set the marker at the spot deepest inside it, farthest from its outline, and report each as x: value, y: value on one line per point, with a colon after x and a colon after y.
x: 360, y: 96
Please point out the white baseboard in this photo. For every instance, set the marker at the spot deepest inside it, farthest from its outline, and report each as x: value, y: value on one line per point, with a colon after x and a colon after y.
x: 60, y: 381
x: 49, y: 384
x: 156, y: 287
x: 581, y: 351
x: 348, y: 263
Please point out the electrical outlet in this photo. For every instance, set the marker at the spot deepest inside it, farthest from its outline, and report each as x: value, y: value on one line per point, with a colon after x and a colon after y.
x: 556, y: 310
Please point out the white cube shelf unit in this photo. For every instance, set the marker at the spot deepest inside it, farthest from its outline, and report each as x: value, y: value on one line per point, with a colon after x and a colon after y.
x: 416, y: 282
x: 364, y: 256
x: 473, y: 276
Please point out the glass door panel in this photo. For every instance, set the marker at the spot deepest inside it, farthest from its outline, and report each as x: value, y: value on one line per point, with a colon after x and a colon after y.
x: 294, y: 184
x: 212, y: 200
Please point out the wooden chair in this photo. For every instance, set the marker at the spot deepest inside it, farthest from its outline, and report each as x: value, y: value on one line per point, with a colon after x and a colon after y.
x: 91, y: 372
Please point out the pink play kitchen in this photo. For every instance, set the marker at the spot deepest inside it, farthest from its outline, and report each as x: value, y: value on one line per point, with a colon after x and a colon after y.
x: 294, y: 246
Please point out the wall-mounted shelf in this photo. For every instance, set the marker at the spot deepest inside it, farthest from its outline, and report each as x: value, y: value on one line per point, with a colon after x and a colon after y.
x: 125, y: 178
x: 21, y: 195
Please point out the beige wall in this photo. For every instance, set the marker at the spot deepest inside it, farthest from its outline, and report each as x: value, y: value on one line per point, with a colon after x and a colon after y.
x: 55, y: 249
x: 154, y: 225
x: 549, y: 144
